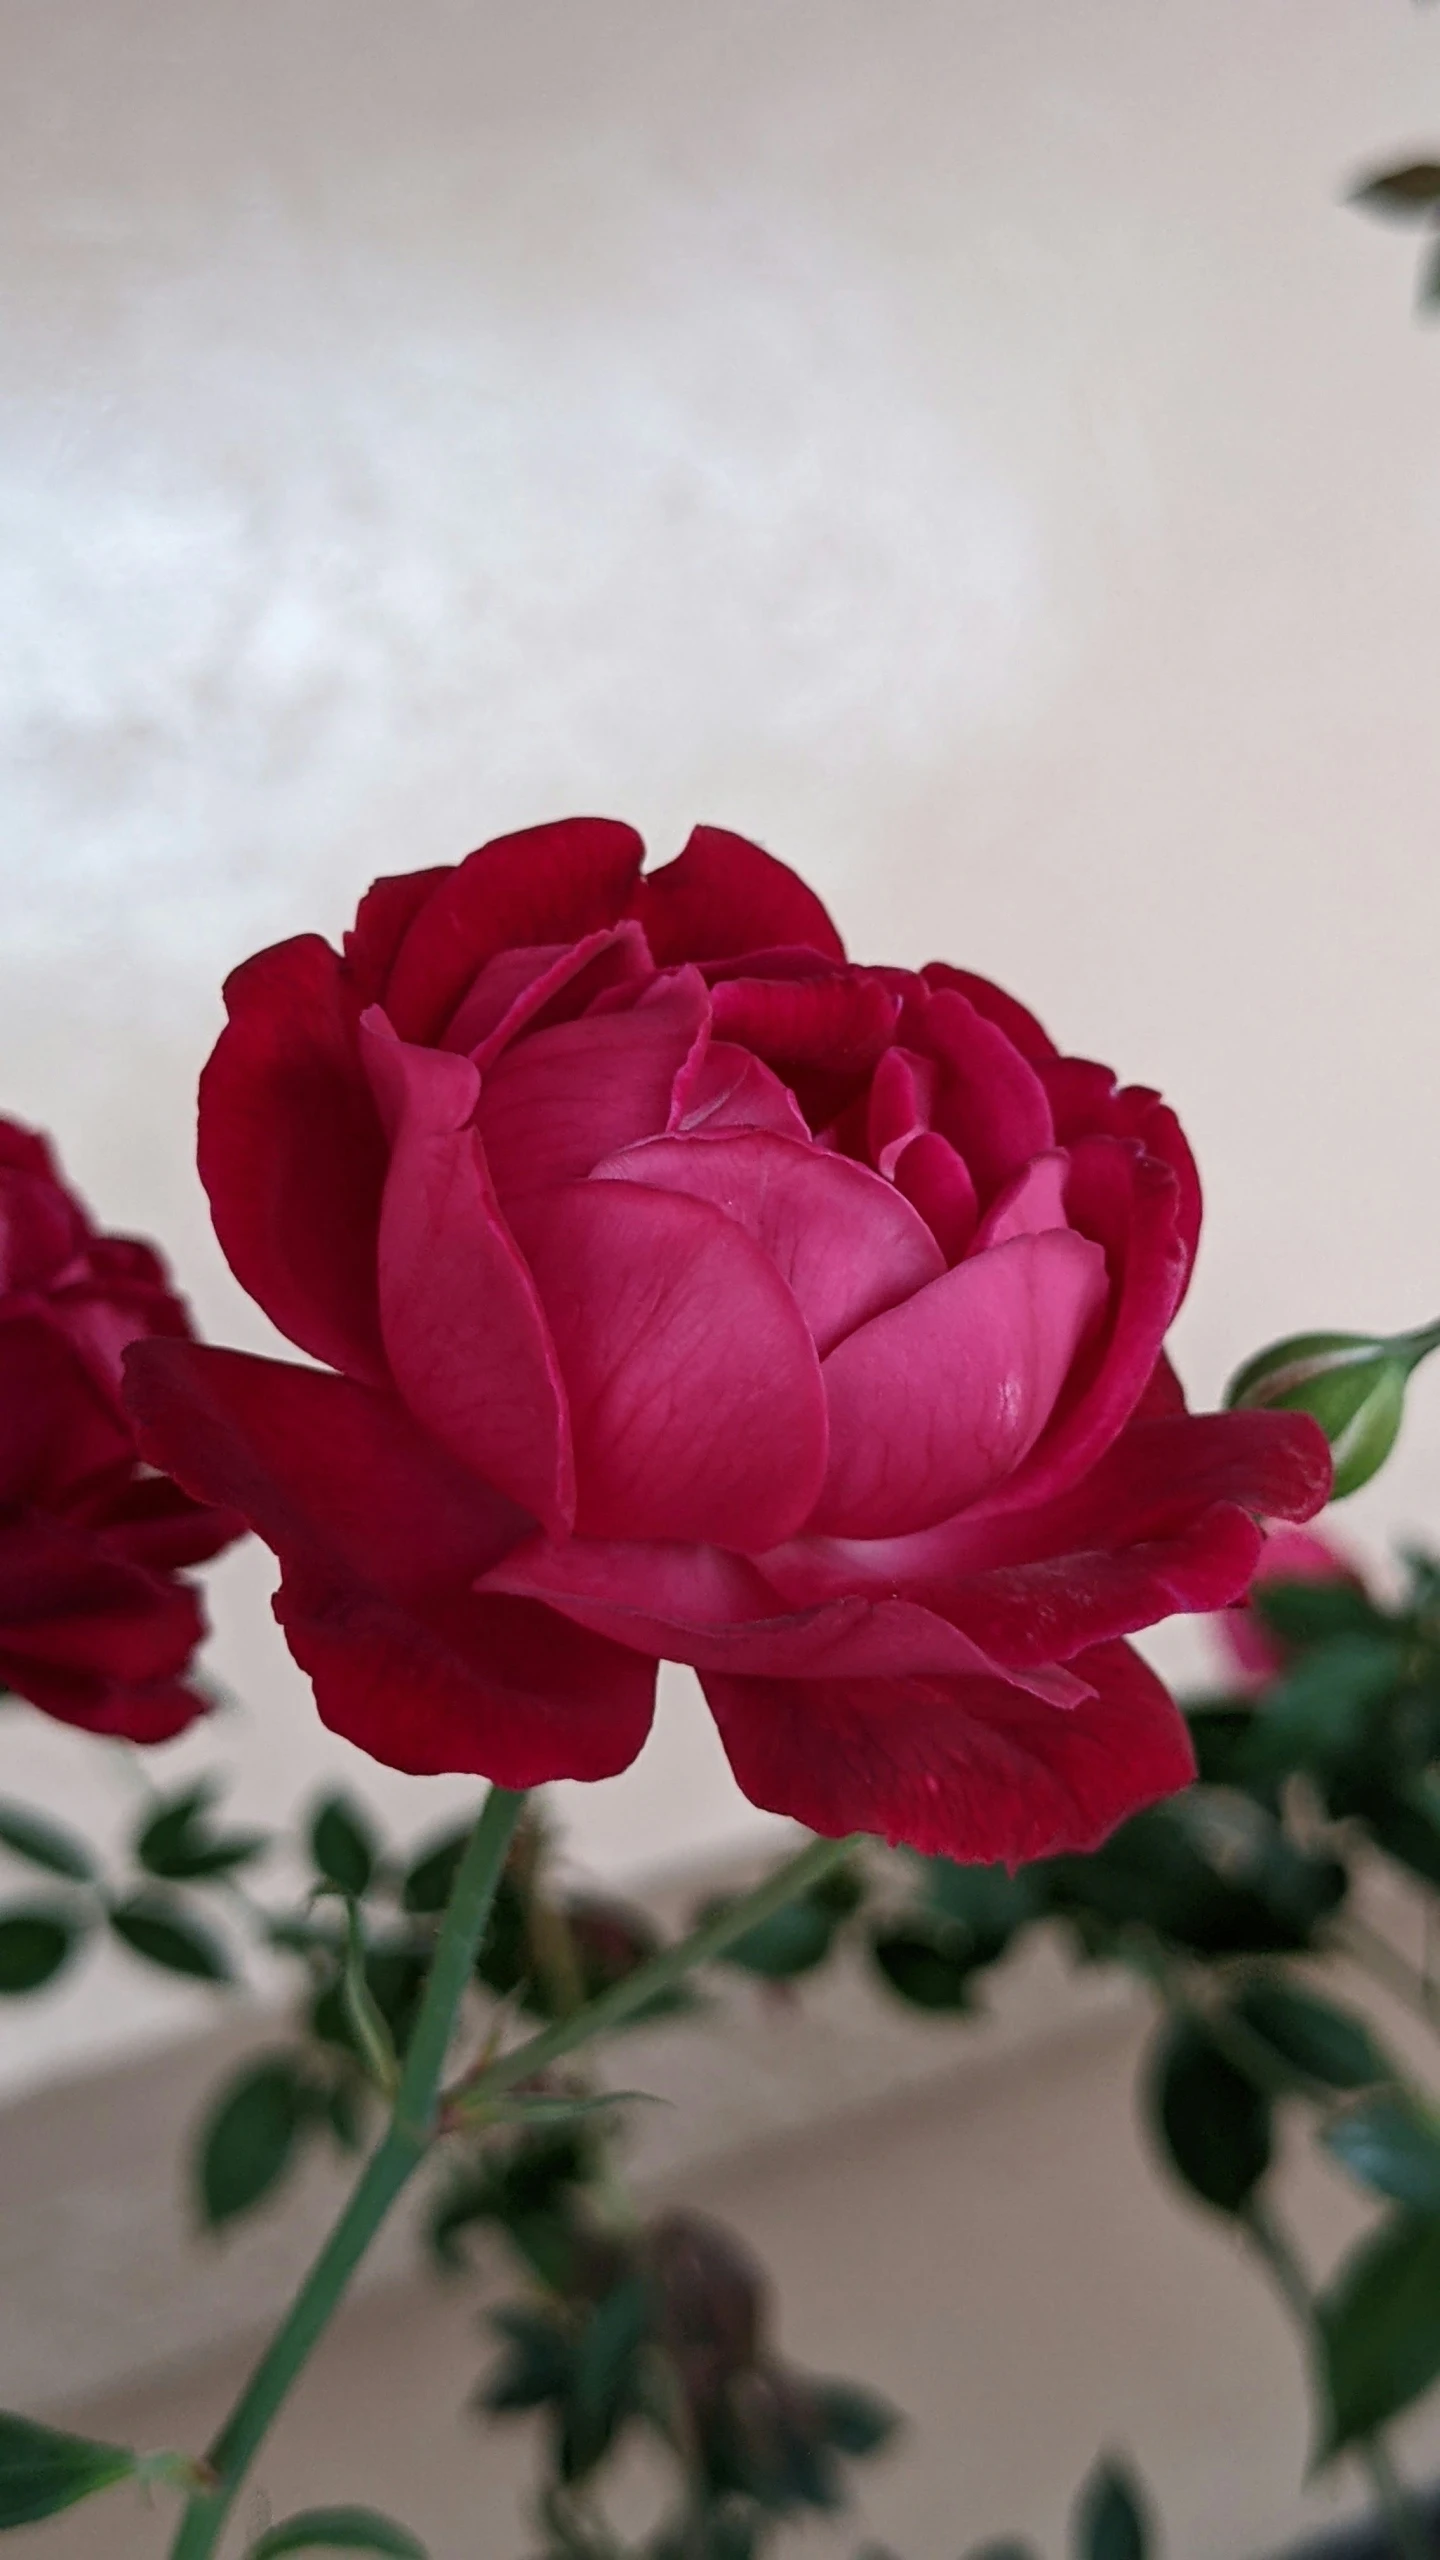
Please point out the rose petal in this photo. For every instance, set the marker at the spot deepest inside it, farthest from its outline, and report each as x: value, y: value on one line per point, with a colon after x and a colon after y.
x: 319, y: 1466
x: 292, y: 1157
x: 536, y: 988
x: 722, y: 896
x: 694, y: 1390
x: 1031, y: 1203
x: 464, y: 1332
x: 990, y: 1102
x: 384, y: 917
x: 1018, y: 1024
x: 970, y: 1769
x: 940, y: 1399
x: 493, y: 1688
x: 702, y: 1606
x: 938, y: 1184
x: 726, y: 1088
x: 546, y: 884
x: 839, y: 1023
x: 844, y: 1242
x: 554, y: 1104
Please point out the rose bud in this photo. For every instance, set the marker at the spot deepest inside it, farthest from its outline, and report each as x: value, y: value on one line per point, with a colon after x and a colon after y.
x: 1352, y: 1384
x: 686, y: 1291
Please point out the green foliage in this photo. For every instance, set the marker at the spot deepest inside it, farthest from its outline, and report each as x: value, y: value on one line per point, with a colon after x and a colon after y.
x: 43, y: 1843
x: 343, y: 1845
x: 249, y: 2139
x: 160, y: 1929
x: 355, y: 2529
x: 1390, y: 2144
x: 36, y: 1941
x: 1110, y: 2518
x: 1213, y: 2123
x: 177, y: 1843
x: 928, y: 1969
x: 43, y: 2470
x: 1379, y: 2328
x: 1319, y: 2040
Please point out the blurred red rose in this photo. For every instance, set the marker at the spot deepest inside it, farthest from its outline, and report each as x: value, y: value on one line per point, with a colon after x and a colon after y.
x: 95, y: 1627
x: 697, y: 1296
x: 1288, y: 1555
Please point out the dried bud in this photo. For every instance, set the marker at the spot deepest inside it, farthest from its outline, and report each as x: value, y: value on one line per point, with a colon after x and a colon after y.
x: 1352, y: 1384
x: 711, y: 2299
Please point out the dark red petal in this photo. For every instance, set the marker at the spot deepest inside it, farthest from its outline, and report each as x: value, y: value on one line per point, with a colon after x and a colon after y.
x: 386, y: 913
x: 695, y: 1395
x: 292, y: 1157
x: 723, y: 896
x: 844, y: 1242
x: 546, y: 884
x: 939, y: 1400
x: 319, y: 1466
x: 495, y: 1688
x: 149, y: 1521
x: 1018, y: 1024
x: 58, y: 1428
x: 840, y: 1023
x: 464, y: 1331
x: 536, y: 988
x: 990, y: 1102
x: 969, y: 1769
x: 1087, y: 1102
x: 702, y: 1606
x: 554, y: 1104
x: 143, y: 1712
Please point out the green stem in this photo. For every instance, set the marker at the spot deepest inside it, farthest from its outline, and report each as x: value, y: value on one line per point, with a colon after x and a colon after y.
x: 1277, y: 2255
x: 411, y: 2131
x: 661, y: 1973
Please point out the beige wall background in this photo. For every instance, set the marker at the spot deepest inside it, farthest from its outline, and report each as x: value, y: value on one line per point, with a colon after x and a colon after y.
x: 964, y: 445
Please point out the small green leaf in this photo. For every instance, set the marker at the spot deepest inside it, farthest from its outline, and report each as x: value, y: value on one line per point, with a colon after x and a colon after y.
x: 793, y: 1940
x: 343, y: 1845
x: 1391, y: 2145
x: 856, y: 2422
x: 602, y: 2385
x: 177, y: 1844
x: 34, y: 1944
x: 428, y: 1883
x: 1379, y: 2325
x: 1110, y: 2519
x: 1213, y: 2123
x: 35, y: 1837
x: 989, y: 1901
x: 538, y: 2367
x: 1323, y: 1708
x: 1321, y: 2041
x: 1409, y: 192
x: 43, y: 2470
x: 248, y: 2141
x: 338, y: 2529
x: 920, y: 1969
x: 153, y: 1926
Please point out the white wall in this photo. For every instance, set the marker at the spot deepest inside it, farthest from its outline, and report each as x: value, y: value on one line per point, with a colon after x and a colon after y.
x: 961, y: 442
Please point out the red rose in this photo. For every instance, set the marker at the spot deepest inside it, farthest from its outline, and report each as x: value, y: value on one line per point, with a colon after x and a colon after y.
x: 94, y: 1625
x: 1288, y: 1555
x: 695, y: 1295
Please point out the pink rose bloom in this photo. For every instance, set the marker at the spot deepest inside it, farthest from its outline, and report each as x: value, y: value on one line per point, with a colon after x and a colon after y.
x: 690, y: 1293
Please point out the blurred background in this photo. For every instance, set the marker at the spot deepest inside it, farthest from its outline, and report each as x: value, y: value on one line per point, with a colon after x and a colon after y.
x: 967, y: 447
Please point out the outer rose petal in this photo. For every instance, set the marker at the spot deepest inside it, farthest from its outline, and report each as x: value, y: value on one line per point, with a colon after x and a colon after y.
x: 546, y: 884
x: 941, y: 1397
x: 319, y: 1466
x: 145, y: 1712
x: 379, y: 1535
x: 385, y: 915
x: 969, y: 1769
x: 496, y: 1688
x: 552, y: 1106
x: 1018, y: 1024
x: 466, y: 1337
x: 845, y: 1242
x: 723, y: 896
x: 57, y: 1429
x: 292, y: 1157
x: 695, y: 1396
x: 65, y: 1603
